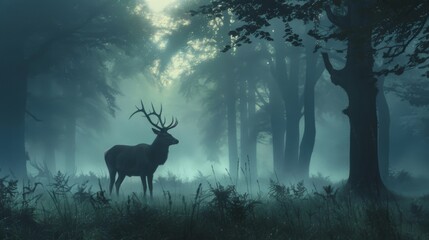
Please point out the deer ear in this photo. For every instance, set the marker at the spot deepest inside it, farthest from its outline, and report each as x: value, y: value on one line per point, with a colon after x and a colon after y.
x: 155, y: 131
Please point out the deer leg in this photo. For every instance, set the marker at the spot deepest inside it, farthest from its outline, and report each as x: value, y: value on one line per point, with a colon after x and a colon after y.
x: 112, y: 180
x: 119, y: 182
x: 150, y: 182
x: 144, y: 185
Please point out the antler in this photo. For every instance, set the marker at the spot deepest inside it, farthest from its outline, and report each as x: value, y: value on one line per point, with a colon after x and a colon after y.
x: 173, y: 123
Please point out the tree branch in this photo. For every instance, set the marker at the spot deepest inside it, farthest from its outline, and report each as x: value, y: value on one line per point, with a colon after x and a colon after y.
x: 65, y: 33
x: 335, y: 74
x: 339, y: 21
x: 32, y: 116
x: 396, y: 50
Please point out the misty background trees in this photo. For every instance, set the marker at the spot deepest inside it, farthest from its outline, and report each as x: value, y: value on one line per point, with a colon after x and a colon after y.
x: 250, y: 81
x: 363, y: 25
x: 39, y: 37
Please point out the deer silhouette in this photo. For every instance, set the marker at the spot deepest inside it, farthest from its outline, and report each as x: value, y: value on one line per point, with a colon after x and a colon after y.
x: 142, y: 159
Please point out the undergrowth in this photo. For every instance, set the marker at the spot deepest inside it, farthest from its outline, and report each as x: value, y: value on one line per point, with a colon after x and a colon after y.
x: 59, y: 209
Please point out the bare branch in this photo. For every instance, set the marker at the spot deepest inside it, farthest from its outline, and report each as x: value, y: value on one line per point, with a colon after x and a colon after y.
x: 335, y: 74
x: 32, y: 116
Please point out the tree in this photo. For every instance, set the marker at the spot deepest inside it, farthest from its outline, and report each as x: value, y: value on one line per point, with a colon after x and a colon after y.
x: 219, y: 83
x: 296, y: 160
x: 215, y: 80
x: 74, y: 92
x: 361, y: 86
x: 358, y: 81
x: 292, y: 163
x: 313, y: 70
x: 363, y: 24
x: 24, y: 43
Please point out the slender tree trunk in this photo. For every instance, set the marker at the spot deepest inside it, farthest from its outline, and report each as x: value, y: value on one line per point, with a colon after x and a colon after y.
x: 71, y: 94
x: 49, y: 152
x: 244, y: 126
x: 309, y: 135
x: 13, y: 96
x: 383, y: 130
x: 293, y: 115
x: 70, y: 151
x: 253, y: 131
x: 232, y: 129
x: 277, y: 125
x: 278, y: 115
x: 358, y: 81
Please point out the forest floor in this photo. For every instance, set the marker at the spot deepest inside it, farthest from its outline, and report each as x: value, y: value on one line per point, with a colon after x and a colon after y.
x: 203, y: 209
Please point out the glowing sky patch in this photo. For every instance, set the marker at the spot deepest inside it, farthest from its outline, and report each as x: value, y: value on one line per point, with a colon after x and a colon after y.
x: 159, y: 5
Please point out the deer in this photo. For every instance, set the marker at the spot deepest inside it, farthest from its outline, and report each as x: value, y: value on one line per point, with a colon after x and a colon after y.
x: 143, y: 159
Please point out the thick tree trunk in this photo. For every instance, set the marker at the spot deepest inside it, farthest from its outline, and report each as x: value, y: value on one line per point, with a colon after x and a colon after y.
x: 364, y: 172
x: 360, y: 85
x: 383, y: 130
x: 13, y: 96
x: 293, y: 115
x: 232, y: 130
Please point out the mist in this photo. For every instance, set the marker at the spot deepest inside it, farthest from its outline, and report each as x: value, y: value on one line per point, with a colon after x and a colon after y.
x: 251, y: 102
x: 330, y: 156
x: 220, y: 119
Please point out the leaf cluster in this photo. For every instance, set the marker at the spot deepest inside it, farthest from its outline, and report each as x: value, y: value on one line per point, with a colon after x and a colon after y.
x: 397, y: 25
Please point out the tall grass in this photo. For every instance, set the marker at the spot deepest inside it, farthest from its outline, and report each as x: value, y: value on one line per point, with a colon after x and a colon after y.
x: 58, y: 209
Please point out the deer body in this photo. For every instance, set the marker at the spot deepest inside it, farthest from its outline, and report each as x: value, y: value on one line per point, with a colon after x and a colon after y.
x: 142, y: 159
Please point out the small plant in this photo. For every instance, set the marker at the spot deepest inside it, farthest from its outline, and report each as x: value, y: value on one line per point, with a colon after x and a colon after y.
x: 195, y: 206
x: 299, y: 190
x: 29, y: 196
x: 99, y: 200
x: 279, y: 192
x: 416, y: 211
x: 61, y: 186
x: 8, y: 191
x: 240, y: 207
x: 329, y: 193
x: 230, y: 204
x: 83, y: 193
x: 221, y: 197
x: 379, y: 222
x: 17, y: 210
